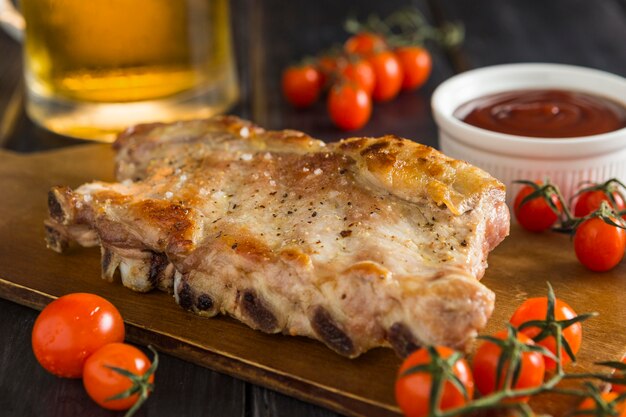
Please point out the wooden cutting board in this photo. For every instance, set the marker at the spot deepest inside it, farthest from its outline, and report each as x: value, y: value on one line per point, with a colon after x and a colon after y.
x: 520, y: 267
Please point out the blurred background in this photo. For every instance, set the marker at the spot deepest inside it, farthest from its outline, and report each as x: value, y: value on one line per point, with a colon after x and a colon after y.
x: 269, y: 35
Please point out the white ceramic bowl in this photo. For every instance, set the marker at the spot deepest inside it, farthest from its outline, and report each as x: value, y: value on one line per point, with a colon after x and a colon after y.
x: 566, y: 162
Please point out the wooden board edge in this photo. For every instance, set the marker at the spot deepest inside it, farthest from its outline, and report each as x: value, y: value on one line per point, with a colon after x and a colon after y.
x: 334, y: 400
x: 7, y: 154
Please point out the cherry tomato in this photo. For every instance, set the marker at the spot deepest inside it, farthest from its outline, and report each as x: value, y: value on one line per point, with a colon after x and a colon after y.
x: 361, y: 73
x: 416, y: 64
x: 536, y: 309
x: 590, y: 201
x: 413, y: 391
x: 485, y: 365
x: 102, y: 383
x: 349, y: 106
x: 620, y: 389
x: 365, y: 43
x: 301, y: 85
x: 536, y: 215
x: 590, y: 404
x: 71, y: 328
x: 598, y: 245
x: 388, y: 73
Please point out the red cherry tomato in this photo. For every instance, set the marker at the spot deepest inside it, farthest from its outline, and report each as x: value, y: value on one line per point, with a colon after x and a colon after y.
x: 301, y: 85
x: 361, y: 73
x: 485, y: 365
x: 364, y: 43
x: 349, y: 106
x: 590, y: 404
x: 388, y: 73
x: 413, y: 391
x: 416, y: 66
x: 590, y: 201
x: 73, y: 327
x: 598, y: 245
x: 102, y: 383
x: 536, y: 309
x: 536, y: 215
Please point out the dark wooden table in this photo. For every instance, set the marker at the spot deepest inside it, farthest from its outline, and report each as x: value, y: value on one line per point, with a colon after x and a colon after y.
x: 268, y: 36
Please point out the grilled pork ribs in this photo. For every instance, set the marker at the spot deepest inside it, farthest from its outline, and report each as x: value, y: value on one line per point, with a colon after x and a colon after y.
x: 360, y: 243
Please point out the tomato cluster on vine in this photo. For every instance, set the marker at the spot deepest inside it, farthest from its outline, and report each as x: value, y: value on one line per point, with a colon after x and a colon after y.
x: 594, y: 217
x: 508, y: 368
x: 367, y: 70
x: 381, y: 58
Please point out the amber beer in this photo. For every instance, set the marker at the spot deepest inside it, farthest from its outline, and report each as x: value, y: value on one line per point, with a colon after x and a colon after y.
x: 95, y: 66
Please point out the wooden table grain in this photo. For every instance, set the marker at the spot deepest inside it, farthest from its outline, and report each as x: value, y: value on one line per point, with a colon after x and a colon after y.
x: 268, y: 35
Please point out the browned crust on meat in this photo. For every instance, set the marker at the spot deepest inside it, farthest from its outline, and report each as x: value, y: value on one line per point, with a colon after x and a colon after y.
x: 413, y: 171
x: 367, y: 269
x: 243, y: 244
x: 404, y: 168
x: 173, y: 219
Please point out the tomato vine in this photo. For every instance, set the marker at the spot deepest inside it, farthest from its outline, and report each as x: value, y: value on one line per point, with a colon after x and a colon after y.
x: 509, y: 364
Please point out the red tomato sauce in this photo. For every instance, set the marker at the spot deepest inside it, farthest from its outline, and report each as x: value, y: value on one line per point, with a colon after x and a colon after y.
x: 544, y: 113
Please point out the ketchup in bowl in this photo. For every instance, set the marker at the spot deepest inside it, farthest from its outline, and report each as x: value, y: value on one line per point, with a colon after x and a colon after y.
x: 544, y: 113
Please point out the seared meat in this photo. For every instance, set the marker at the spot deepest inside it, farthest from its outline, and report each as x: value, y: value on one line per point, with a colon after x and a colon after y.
x: 360, y: 243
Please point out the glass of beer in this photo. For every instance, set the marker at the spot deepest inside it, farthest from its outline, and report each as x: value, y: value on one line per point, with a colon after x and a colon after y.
x: 94, y: 67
